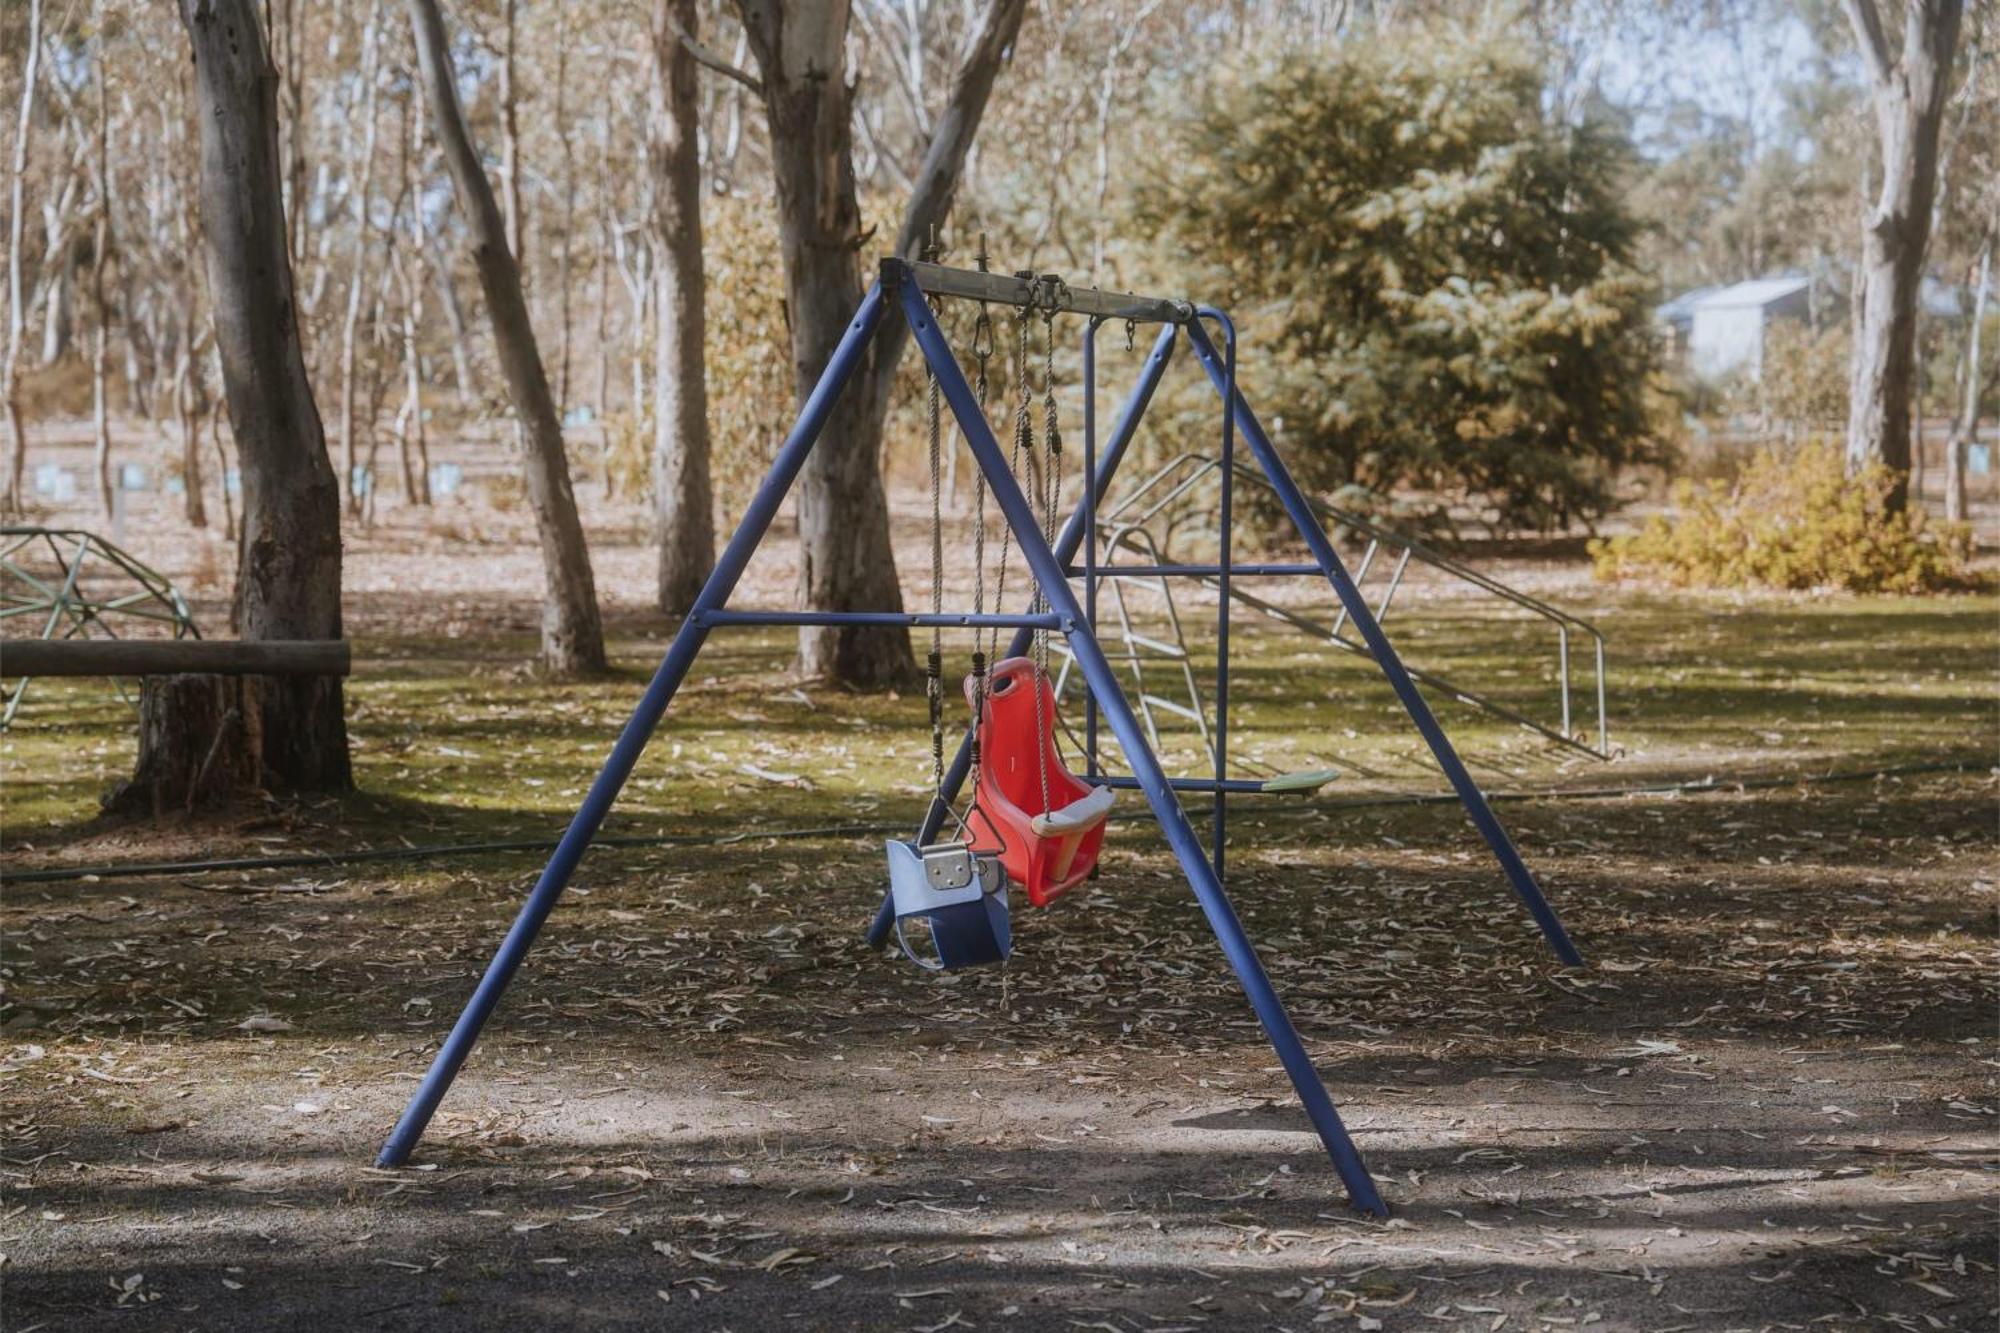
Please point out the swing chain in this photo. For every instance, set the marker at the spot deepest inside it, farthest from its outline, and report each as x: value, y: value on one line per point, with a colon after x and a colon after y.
x: 1050, y: 431
x: 1051, y: 493
x: 934, y: 666
x: 1024, y: 436
x: 983, y: 347
x: 934, y: 671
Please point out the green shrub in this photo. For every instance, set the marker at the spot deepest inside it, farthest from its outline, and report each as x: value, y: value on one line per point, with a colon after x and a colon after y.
x: 752, y: 399
x: 1792, y: 519
x: 1435, y: 273
x: 626, y: 455
x: 1804, y: 380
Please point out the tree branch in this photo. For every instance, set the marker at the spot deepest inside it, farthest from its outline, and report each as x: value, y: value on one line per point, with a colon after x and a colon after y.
x: 707, y: 57
x: 900, y: 68
x: 944, y: 161
x: 1866, y: 20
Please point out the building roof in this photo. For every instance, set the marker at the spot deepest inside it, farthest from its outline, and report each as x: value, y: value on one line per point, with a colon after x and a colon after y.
x: 1756, y: 292
x: 1681, y: 308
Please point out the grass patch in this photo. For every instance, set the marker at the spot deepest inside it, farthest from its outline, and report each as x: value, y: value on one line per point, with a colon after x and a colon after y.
x: 457, y: 740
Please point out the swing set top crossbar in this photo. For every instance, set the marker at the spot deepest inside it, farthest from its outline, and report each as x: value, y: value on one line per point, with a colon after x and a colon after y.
x: 1034, y: 291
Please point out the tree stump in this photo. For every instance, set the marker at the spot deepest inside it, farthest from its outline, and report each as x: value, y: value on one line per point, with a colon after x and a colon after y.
x: 193, y: 753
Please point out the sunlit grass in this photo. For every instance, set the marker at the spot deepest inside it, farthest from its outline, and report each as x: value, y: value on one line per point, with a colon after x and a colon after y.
x: 461, y: 738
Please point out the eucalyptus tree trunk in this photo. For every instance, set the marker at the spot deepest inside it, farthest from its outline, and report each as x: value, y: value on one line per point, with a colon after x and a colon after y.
x: 1967, y: 425
x: 683, y: 497
x: 290, y: 21
x: 100, y: 311
x: 1908, y: 91
x: 846, y: 559
x: 357, y: 276
x: 847, y: 562
x: 62, y: 248
x: 222, y: 470
x: 454, y: 319
x: 17, y: 454
x: 407, y: 262
x: 510, y: 129
x: 572, y: 634
x: 191, y: 408
x: 288, y: 554
x: 606, y: 229
x: 567, y: 253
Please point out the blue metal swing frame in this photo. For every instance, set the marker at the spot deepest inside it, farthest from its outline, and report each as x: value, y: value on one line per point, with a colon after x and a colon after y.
x: 905, y: 288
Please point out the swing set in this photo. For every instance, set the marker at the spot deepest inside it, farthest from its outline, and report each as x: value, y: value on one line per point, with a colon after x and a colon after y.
x: 1030, y: 822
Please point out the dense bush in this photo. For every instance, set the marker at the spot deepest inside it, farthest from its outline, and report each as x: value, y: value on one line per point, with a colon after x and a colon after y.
x: 1792, y: 519
x: 1433, y: 273
x: 1804, y: 380
x: 751, y: 398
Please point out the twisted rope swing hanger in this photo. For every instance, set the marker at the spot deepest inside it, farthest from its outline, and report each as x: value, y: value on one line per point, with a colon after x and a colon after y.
x: 907, y: 289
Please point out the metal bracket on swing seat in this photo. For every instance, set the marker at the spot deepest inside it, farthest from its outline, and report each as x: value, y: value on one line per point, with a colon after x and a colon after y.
x: 962, y: 896
x: 948, y: 865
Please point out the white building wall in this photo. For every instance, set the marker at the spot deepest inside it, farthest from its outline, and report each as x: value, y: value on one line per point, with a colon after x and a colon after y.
x: 1727, y: 340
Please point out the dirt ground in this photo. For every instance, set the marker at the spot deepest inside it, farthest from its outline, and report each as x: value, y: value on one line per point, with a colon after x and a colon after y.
x: 1768, y: 1101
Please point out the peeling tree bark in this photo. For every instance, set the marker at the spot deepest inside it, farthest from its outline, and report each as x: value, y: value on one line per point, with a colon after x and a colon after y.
x: 684, y: 498
x: 1909, y: 95
x: 572, y: 634
x: 288, y: 561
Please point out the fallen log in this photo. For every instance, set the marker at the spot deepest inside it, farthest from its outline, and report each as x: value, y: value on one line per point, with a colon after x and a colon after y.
x: 169, y: 657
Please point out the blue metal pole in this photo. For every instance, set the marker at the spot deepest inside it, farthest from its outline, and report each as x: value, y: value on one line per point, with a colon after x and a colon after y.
x: 905, y: 619
x: 1089, y: 529
x: 1227, y: 530
x: 1048, y: 570
x: 638, y: 730
x: 1251, y: 570
x: 1385, y: 656
x: 1066, y: 542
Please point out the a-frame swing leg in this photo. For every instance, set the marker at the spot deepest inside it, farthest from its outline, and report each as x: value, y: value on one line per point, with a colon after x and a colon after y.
x: 632, y: 740
x: 1048, y: 572
x: 1379, y: 647
x: 1067, y: 541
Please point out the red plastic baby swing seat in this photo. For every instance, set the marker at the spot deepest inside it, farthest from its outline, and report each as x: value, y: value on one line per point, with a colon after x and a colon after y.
x: 1046, y: 853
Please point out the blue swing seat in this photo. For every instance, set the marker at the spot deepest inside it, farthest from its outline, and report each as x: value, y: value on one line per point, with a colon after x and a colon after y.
x: 968, y: 922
